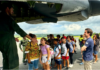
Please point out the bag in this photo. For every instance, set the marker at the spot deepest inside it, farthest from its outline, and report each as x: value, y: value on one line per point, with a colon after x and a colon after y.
x: 26, y: 61
x: 51, y: 53
x: 62, y: 49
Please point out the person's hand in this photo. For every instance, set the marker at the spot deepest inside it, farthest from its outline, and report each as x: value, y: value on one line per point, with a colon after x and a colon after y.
x: 93, y: 38
x: 56, y: 57
x: 81, y: 53
x: 47, y: 63
x: 41, y: 63
x: 22, y: 50
x: 72, y: 51
x: 16, y: 39
x: 29, y: 61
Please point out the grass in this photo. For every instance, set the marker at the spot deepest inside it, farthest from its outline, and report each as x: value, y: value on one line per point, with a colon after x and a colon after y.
x: 20, y: 38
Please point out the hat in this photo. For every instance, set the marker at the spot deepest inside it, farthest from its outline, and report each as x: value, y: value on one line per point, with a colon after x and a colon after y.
x: 64, y: 37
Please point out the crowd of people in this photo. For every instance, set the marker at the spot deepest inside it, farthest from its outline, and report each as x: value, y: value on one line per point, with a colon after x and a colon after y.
x: 61, y: 51
x: 51, y: 50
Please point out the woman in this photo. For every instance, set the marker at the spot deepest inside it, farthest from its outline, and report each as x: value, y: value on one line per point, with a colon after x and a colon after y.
x: 96, y: 46
x: 71, y: 51
x: 45, y: 54
x: 32, y: 53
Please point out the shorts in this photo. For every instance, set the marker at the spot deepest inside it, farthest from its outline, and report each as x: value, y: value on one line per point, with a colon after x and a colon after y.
x: 65, y: 57
x: 44, y: 59
x: 33, y: 64
x: 95, y: 52
x: 58, y: 62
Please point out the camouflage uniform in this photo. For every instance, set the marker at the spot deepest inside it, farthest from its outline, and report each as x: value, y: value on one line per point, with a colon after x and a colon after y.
x: 23, y: 43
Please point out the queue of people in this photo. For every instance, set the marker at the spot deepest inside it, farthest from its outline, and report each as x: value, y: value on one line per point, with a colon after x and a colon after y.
x: 58, y: 50
x: 62, y: 49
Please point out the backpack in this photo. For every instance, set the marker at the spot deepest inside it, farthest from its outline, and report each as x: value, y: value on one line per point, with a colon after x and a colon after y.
x: 63, y: 50
x: 26, y: 61
x: 51, y: 52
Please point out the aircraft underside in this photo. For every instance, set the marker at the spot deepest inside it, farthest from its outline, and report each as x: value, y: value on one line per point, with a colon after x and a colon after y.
x: 39, y: 11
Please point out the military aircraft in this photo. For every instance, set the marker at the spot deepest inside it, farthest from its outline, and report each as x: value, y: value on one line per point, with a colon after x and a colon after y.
x: 39, y: 11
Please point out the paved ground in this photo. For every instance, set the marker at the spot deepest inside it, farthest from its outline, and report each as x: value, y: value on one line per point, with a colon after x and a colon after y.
x: 77, y: 60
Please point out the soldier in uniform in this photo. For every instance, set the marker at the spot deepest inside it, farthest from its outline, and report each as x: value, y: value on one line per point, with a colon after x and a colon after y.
x: 8, y: 45
x: 22, y: 46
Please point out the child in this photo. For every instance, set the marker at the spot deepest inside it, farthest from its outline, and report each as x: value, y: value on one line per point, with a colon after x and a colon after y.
x: 83, y: 42
x: 32, y: 53
x: 45, y: 54
x: 71, y: 50
x: 57, y: 50
x: 65, y: 52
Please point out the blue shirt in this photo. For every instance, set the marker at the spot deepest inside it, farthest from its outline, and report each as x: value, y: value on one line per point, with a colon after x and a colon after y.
x: 88, y: 54
x: 71, y: 46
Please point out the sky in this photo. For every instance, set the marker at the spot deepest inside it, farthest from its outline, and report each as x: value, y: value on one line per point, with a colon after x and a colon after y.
x: 63, y: 27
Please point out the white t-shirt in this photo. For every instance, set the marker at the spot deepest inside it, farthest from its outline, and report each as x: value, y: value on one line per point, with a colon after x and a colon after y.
x: 65, y: 50
x: 57, y: 51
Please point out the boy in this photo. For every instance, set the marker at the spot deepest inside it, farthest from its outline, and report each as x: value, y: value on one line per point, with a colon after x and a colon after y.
x: 65, y: 52
x: 57, y: 50
x: 83, y: 41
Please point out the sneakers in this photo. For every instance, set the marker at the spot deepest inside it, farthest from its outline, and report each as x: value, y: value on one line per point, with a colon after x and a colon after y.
x: 94, y: 62
x: 71, y: 65
x: 81, y: 63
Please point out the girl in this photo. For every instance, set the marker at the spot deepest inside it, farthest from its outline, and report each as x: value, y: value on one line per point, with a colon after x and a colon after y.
x: 32, y: 53
x: 96, y: 46
x: 45, y: 54
x: 71, y: 51
x: 83, y: 43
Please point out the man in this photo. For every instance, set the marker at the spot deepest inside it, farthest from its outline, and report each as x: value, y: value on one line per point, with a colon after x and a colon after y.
x: 80, y: 40
x: 8, y: 45
x: 48, y: 37
x: 51, y: 41
x: 23, y: 43
x: 58, y: 37
x: 88, y: 49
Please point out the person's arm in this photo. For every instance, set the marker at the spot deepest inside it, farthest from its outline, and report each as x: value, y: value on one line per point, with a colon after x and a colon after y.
x: 28, y: 57
x: 59, y: 52
x: 68, y: 47
x: 48, y: 50
x: 28, y: 37
x: 40, y: 57
x: 73, y: 47
x: 16, y: 28
x: 67, y: 51
x: 85, y: 46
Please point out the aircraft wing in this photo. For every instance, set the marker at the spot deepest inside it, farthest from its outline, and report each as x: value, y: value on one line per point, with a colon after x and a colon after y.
x: 36, y: 11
